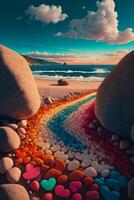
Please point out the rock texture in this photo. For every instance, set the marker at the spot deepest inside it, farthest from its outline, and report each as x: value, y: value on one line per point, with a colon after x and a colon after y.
x: 19, y: 97
x: 115, y: 98
x: 13, y: 192
x: 9, y: 140
x: 6, y: 163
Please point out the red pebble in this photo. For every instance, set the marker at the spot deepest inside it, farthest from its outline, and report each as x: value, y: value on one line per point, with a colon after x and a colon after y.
x: 77, y: 196
x: 48, y: 196
x: 94, y: 187
x: 92, y: 195
x: 35, y: 185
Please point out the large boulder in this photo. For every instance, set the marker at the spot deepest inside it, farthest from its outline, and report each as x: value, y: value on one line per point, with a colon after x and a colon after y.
x: 13, y: 192
x: 114, y: 106
x: 19, y: 97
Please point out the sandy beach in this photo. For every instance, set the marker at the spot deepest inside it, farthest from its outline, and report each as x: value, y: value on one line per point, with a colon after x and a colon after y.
x: 50, y: 88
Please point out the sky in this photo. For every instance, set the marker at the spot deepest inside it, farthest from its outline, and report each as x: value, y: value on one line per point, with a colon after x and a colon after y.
x: 72, y: 31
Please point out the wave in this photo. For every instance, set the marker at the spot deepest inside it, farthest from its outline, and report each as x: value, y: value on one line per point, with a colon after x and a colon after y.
x: 71, y: 71
x: 80, y: 78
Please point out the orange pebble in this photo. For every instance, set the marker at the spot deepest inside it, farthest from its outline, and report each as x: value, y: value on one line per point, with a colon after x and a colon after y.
x: 52, y: 173
x: 39, y: 154
x: 23, y: 155
x: 19, y: 161
x: 29, y: 153
x: 62, y: 179
x: 38, y: 161
x: 45, y: 167
x: 59, y: 164
x: 17, y: 153
x: 26, y: 160
x: 48, y: 159
x: 76, y: 175
x: 25, y: 149
x: 88, y: 180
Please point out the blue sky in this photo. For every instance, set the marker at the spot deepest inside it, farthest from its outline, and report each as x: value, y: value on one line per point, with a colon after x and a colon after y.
x: 37, y: 35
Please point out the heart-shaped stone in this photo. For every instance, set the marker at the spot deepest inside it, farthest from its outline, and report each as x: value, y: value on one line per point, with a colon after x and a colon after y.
x: 75, y: 185
x: 60, y: 191
x: 31, y: 172
x: 107, y: 194
x: 49, y: 184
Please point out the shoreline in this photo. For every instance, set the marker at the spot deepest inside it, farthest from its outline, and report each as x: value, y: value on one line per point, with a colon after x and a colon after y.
x: 49, y: 87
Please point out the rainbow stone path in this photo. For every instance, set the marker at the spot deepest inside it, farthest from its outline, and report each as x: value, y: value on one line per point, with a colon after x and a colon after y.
x: 68, y: 155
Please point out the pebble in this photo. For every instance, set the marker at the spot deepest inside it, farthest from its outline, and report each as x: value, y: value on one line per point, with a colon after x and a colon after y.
x: 94, y: 187
x: 23, y: 123
x: 124, y: 144
x: 13, y: 175
x: 109, y: 195
x: 131, y: 189
x: 48, y: 159
x: 105, y: 173
x: 73, y: 165
x: 75, y: 186
x: 35, y: 185
x: 92, y: 195
x: 85, y: 163
x: 46, y: 146
x: 48, y: 196
x: 76, y: 175
x: 62, y: 179
x: 6, y: 163
x: 115, y: 137
x: 21, y: 131
x: 76, y: 196
x: 48, y: 152
x: 13, y: 126
x: 60, y: 191
x: 90, y: 171
x: 59, y: 164
x: 9, y: 140
x: 88, y: 180
x: 61, y: 155
x: 13, y: 192
x: 52, y: 173
x: 55, y: 148
x: 92, y: 125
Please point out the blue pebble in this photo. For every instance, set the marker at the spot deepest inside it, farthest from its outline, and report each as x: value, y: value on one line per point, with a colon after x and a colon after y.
x: 109, y: 195
x: 113, y: 184
x: 122, y: 180
x: 114, y: 174
x: 99, y: 181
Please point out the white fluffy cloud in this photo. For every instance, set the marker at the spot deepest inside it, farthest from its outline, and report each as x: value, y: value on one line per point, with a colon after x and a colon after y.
x: 101, y: 25
x: 46, y: 13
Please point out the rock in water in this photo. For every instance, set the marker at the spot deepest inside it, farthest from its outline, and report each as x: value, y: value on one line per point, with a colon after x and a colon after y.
x: 19, y: 97
x: 115, y: 98
x: 13, y: 192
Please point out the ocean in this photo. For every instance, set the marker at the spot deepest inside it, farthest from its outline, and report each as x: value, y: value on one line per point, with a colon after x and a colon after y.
x: 73, y: 72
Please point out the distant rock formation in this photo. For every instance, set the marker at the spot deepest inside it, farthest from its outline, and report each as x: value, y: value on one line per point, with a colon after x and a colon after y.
x: 19, y: 97
x: 115, y: 98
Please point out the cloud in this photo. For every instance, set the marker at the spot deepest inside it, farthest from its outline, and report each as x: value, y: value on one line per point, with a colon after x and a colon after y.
x: 86, y: 59
x: 111, y: 58
x: 57, y: 57
x: 101, y: 25
x: 46, y: 13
